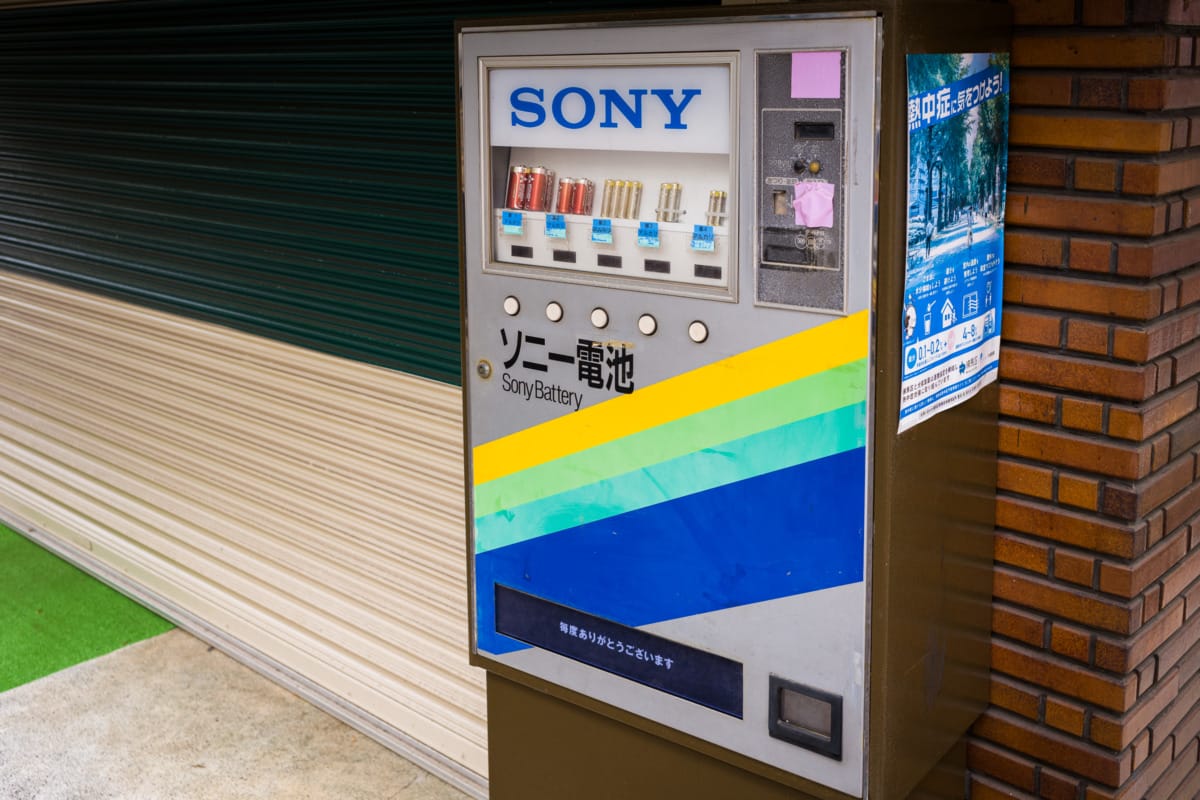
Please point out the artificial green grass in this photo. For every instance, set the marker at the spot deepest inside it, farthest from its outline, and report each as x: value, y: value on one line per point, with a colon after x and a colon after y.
x: 53, y: 615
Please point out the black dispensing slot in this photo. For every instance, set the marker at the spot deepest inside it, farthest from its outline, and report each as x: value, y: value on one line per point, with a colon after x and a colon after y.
x: 522, y: 251
x: 606, y: 260
x: 657, y: 265
x: 807, y: 717
x: 707, y: 271
x: 564, y: 256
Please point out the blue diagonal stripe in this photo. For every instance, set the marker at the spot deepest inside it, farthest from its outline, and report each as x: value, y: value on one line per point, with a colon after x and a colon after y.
x: 787, y: 532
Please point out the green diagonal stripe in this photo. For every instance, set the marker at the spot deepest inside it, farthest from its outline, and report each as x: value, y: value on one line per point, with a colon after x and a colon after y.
x: 786, y: 446
x: 817, y: 394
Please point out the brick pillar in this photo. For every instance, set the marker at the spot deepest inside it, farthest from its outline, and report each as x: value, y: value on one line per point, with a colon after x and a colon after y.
x: 1096, y: 647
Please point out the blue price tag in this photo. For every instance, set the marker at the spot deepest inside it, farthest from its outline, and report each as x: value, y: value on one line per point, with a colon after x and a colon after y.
x: 702, y: 238
x: 648, y: 234
x: 510, y: 221
x: 556, y: 226
x: 602, y: 231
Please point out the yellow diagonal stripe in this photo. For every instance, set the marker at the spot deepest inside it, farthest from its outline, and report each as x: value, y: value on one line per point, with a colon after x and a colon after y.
x: 733, y: 378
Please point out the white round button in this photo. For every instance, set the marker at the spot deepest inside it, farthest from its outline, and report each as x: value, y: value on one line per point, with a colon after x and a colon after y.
x: 599, y: 318
x: 697, y: 332
x: 554, y: 312
x: 512, y: 306
x: 647, y: 324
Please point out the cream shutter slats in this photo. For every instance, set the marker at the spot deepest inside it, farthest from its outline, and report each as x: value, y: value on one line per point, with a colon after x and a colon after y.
x: 309, y: 506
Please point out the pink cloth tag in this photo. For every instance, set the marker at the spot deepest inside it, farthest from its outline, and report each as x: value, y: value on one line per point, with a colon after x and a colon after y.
x: 814, y: 204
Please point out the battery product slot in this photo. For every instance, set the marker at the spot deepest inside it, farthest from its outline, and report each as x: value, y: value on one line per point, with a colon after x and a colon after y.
x: 657, y: 265
x: 607, y: 260
x: 522, y: 251
x: 708, y: 271
x: 564, y: 256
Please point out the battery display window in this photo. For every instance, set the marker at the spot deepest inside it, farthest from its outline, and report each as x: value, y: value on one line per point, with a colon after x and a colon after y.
x: 583, y: 150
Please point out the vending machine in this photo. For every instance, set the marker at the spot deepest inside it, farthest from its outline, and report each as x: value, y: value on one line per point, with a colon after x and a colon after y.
x: 719, y: 531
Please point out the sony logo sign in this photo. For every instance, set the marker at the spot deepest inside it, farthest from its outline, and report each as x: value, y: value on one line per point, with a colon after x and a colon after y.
x: 574, y: 107
x: 666, y: 108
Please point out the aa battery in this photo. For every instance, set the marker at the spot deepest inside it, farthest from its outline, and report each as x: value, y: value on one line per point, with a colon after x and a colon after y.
x: 716, y: 208
x: 518, y: 187
x: 581, y: 196
x: 606, y: 199
x: 621, y: 200
x: 540, y: 181
x: 566, y: 188
x: 668, y: 202
x: 633, y: 199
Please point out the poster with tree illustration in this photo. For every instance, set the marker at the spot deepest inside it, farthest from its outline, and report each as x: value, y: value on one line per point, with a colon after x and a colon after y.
x: 957, y: 170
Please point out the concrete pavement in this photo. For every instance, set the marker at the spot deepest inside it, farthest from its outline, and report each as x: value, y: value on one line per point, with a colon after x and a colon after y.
x: 171, y: 718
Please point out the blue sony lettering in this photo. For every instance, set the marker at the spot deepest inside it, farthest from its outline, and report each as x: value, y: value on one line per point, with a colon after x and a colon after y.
x: 673, y: 108
x: 613, y: 98
x: 527, y: 107
x: 589, y: 107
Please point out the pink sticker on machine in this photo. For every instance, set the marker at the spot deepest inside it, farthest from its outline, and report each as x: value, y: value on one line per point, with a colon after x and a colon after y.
x: 814, y: 204
x: 817, y: 75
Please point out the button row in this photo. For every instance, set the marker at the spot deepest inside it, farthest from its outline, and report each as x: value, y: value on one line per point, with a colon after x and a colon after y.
x: 647, y: 324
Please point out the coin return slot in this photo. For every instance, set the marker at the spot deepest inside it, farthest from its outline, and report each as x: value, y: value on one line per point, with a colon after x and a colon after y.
x: 522, y: 251
x: 565, y: 256
x: 657, y: 265
x: 780, y: 200
x: 807, y: 717
x: 707, y: 271
x: 605, y: 260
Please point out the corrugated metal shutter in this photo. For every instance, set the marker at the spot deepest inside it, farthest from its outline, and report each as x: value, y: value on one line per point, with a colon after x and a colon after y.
x: 287, y: 168
x: 302, y: 505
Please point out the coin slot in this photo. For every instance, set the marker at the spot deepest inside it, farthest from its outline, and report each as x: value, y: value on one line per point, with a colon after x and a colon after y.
x: 780, y: 202
x: 814, y: 130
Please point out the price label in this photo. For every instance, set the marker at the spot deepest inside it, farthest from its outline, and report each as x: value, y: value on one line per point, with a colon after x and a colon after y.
x: 556, y: 226
x: 510, y: 222
x: 702, y: 238
x: 602, y: 231
x: 648, y: 234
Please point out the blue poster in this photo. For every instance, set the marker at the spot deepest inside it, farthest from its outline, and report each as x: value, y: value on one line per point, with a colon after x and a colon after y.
x: 954, y: 270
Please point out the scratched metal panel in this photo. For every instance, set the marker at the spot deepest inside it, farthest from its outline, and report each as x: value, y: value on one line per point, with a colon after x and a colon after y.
x: 287, y: 168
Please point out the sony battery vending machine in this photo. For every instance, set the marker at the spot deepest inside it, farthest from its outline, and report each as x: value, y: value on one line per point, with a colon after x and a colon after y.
x: 706, y: 541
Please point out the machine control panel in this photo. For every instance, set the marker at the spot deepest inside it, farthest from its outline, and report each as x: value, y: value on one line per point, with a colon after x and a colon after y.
x: 801, y: 180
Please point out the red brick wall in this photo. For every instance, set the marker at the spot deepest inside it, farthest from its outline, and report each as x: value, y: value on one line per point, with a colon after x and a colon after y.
x: 1096, y: 652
